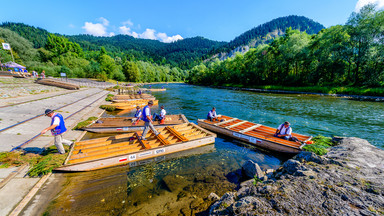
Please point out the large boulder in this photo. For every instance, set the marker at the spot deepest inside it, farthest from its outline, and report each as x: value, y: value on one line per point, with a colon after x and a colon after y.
x: 291, y: 166
x: 310, y: 157
x: 252, y: 169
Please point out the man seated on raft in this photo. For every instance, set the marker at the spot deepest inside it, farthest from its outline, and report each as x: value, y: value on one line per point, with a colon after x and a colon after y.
x: 284, y: 131
x: 138, y: 115
x: 157, y: 117
x: 212, y: 116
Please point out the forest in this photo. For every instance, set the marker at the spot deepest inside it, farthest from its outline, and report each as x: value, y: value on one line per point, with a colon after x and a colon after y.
x: 287, y: 51
x: 342, y: 55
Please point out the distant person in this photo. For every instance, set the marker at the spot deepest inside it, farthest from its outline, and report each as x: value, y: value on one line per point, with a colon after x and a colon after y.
x: 150, y: 86
x: 139, y: 92
x: 57, y: 129
x: 138, y: 115
x: 284, y: 131
x: 157, y: 117
x: 147, y: 118
x: 43, y: 74
x: 212, y: 115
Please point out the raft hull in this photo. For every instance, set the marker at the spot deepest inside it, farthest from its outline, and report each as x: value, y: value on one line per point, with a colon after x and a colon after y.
x: 191, y: 136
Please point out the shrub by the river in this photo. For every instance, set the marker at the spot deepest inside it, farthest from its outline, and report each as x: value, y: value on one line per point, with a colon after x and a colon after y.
x: 85, y: 123
x: 320, y: 145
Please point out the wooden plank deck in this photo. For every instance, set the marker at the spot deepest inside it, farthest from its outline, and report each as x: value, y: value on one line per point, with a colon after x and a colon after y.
x: 257, y: 134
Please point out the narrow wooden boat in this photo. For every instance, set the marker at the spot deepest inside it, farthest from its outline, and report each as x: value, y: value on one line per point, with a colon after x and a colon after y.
x: 132, y: 96
x: 125, y: 100
x: 132, y: 104
x: 124, y: 124
x: 127, y: 148
x: 153, y: 90
x: 255, y: 134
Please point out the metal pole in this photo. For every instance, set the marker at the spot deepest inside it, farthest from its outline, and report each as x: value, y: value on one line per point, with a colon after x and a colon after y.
x: 12, y: 55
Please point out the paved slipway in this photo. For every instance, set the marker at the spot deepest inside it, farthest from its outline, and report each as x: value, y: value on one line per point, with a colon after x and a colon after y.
x: 14, y: 183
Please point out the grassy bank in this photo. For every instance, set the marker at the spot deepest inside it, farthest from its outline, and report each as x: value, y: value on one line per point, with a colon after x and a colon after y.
x: 347, y: 90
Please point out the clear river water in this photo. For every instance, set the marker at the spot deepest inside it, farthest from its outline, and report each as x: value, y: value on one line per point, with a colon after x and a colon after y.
x: 179, y: 184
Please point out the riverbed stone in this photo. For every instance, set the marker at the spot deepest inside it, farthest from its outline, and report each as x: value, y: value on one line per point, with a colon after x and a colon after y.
x: 175, y: 182
x: 252, y: 169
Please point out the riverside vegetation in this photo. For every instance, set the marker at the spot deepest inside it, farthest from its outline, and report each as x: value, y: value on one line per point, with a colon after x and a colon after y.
x: 287, y: 52
x: 342, y: 55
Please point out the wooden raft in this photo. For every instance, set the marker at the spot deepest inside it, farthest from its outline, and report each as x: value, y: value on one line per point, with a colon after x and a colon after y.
x: 255, y: 134
x: 124, y: 124
x: 115, y: 150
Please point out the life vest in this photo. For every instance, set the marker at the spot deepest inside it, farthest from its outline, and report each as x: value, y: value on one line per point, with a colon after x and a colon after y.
x: 286, y: 130
x: 61, y: 127
x: 138, y: 114
x: 208, y: 116
x: 145, y: 117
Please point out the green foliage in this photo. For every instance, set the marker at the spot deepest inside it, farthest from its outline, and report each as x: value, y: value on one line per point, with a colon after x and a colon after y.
x: 109, y: 97
x: 23, y: 50
x: 108, y: 108
x: 320, y: 145
x: 350, y: 55
x: 85, y: 123
x: 131, y: 71
x: 48, y: 161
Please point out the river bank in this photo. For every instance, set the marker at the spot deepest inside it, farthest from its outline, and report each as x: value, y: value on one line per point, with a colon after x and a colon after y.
x: 375, y: 94
x: 348, y: 180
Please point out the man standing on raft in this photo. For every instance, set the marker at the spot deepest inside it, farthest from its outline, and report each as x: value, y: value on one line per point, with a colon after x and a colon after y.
x: 147, y: 118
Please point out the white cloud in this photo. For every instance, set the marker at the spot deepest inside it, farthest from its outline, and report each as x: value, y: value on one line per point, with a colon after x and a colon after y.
x: 362, y: 3
x: 104, y: 21
x: 96, y: 29
x: 164, y: 38
x: 149, y: 34
x: 128, y: 22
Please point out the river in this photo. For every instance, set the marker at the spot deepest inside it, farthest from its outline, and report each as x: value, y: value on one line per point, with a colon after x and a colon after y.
x: 181, y: 183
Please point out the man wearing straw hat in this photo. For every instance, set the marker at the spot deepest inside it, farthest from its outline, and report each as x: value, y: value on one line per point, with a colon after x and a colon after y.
x: 147, y: 118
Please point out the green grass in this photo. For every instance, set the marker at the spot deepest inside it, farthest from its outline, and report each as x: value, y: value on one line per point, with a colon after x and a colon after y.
x: 85, y: 123
x: 320, y: 145
x: 109, y: 97
x: 347, y: 90
x: 108, y: 108
x: 40, y: 164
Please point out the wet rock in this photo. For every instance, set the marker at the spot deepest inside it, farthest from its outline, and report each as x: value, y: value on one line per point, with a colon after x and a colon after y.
x: 252, y: 169
x: 213, y: 197
x: 196, y: 203
x: 186, y: 211
x: 175, y: 182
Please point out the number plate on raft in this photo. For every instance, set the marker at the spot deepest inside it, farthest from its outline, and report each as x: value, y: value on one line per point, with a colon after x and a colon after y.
x: 249, y: 138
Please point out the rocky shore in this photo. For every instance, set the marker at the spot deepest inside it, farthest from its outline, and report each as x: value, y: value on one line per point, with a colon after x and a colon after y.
x: 348, y: 180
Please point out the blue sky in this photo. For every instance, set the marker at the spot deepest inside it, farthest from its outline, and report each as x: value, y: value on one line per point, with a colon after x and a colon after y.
x: 170, y: 20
